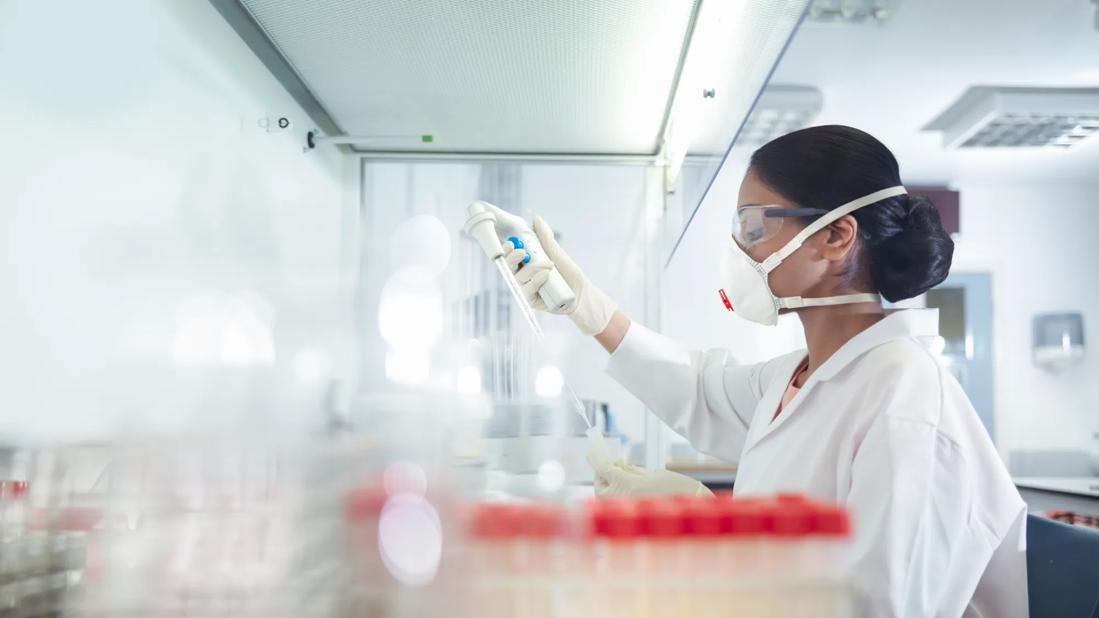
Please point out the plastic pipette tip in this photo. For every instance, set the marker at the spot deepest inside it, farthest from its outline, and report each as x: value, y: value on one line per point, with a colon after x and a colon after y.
x: 598, y: 445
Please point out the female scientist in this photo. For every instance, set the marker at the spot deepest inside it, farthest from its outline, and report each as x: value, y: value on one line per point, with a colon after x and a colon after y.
x: 866, y: 416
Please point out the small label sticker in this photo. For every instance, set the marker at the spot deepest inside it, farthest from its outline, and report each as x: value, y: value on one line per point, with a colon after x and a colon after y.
x: 725, y: 299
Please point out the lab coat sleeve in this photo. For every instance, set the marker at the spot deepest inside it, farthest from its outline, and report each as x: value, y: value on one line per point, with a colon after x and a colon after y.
x: 703, y: 396
x: 919, y: 547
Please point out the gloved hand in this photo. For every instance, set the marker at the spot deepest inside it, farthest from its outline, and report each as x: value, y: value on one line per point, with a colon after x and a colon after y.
x: 592, y: 310
x: 618, y: 478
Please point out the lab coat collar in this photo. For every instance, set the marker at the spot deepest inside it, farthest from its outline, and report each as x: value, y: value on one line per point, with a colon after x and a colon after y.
x: 919, y: 324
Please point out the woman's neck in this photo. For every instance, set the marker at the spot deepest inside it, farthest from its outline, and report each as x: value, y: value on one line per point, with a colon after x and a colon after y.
x: 828, y: 328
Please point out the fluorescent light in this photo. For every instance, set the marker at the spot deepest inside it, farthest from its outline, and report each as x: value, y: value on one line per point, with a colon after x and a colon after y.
x: 712, y: 51
x: 733, y: 46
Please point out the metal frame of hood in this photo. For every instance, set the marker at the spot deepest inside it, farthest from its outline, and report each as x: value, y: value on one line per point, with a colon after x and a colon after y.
x: 253, y: 35
x: 257, y: 40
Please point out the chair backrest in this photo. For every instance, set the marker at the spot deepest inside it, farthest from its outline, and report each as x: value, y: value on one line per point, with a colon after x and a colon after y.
x: 1062, y: 569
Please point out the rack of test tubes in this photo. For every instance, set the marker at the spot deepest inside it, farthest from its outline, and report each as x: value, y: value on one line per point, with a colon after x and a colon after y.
x: 330, y: 530
x: 40, y: 562
x: 721, y: 556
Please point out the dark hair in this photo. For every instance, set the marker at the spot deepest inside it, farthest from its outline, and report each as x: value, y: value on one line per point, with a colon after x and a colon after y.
x: 908, y: 251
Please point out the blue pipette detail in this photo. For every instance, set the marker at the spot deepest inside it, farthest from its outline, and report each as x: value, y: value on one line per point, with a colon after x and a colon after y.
x: 514, y: 240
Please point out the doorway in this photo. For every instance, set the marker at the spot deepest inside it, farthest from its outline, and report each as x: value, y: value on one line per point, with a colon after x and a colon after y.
x: 964, y: 302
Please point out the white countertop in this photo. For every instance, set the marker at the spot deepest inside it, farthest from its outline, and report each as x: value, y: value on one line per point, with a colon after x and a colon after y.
x: 1081, y: 486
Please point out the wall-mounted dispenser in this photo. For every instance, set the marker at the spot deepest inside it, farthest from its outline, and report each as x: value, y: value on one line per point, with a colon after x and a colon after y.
x: 1058, y: 340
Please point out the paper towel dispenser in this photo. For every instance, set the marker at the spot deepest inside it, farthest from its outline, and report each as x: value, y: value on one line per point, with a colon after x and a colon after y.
x: 1058, y: 340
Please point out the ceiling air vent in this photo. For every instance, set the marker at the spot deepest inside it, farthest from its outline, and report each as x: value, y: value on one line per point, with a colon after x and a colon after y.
x: 851, y: 11
x: 990, y: 117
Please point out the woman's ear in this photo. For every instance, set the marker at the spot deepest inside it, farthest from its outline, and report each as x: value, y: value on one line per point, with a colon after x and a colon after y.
x: 839, y: 238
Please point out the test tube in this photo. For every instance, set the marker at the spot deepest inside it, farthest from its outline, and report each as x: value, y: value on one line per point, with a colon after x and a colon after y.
x: 371, y: 588
x: 664, y: 559
x: 544, y: 528
x: 598, y: 444
x: 830, y: 545
x: 743, y: 553
x: 792, y: 526
x: 493, y: 553
x: 16, y: 545
x: 617, y: 526
x: 703, y: 542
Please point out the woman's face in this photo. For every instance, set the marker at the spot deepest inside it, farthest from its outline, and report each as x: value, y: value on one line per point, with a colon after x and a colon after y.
x: 807, y: 271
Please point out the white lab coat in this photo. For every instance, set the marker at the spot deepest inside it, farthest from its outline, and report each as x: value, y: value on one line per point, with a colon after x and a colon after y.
x: 882, y: 427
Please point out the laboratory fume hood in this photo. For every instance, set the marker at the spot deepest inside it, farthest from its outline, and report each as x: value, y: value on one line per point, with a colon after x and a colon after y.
x: 447, y: 102
x: 651, y: 81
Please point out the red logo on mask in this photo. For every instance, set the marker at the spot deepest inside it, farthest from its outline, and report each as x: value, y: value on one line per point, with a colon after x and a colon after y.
x: 725, y: 299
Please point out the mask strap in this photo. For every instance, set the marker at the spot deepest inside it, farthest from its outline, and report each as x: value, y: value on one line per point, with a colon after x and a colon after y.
x: 797, y: 302
x: 776, y: 258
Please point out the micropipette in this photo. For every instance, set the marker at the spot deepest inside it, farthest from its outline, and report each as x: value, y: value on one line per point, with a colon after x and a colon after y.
x: 485, y: 224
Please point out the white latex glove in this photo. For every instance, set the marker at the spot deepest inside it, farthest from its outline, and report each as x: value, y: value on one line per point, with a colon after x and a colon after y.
x: 618, y: 478
x: 592, y: 310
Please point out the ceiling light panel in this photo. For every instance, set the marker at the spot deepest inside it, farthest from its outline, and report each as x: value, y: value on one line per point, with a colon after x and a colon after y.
x: 989, y: 117
x: 519, y: 76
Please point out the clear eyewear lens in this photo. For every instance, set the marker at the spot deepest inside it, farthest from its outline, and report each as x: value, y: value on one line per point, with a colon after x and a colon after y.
x: 751, y: 227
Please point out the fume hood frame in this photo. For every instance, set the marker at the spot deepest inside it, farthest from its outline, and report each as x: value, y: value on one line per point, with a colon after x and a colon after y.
x: 316, y: 138
x: 507, y: 79
x: 337, y: 58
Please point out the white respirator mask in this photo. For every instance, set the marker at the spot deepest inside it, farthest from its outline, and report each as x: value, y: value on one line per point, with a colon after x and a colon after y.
x: 745, y: 289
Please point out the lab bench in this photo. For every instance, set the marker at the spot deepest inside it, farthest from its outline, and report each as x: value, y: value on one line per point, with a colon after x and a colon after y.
x: 1078, y: 494
x: 1042, y: 493
x: 716, y: 476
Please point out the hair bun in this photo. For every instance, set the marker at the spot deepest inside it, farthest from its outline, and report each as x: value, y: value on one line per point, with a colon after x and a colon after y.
x: 915, y: 259
x: 920, y: 211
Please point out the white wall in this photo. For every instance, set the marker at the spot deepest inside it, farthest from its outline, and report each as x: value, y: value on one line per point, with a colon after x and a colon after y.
x: 165, y: 261
x: 1039, y: 243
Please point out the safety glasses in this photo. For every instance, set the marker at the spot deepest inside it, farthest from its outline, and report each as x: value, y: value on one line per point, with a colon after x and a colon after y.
x: 754, y: 223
